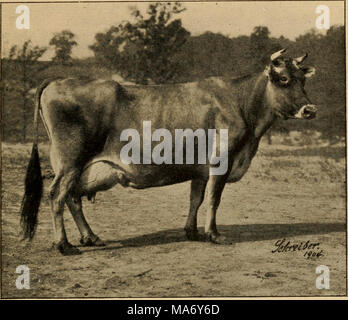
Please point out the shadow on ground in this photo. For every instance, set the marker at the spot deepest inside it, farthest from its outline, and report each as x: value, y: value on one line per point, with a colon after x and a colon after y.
x: 234, y: 233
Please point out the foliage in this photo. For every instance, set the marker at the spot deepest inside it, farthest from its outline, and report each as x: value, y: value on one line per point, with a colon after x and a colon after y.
x: 63, y: 42
x: 261, y: 47
x: 23, y: 63
x: 143, y: 50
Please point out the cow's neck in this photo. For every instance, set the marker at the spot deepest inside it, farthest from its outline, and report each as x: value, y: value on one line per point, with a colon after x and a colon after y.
x: 257, y: 113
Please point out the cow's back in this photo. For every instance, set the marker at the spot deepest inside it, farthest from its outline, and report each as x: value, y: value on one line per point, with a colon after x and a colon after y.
x: 173, y: 106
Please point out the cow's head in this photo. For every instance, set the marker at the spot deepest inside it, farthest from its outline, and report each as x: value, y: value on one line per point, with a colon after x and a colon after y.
x: 285, y: 89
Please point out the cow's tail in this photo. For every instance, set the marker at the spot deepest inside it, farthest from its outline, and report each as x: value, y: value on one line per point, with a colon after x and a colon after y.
x: 33, y: 179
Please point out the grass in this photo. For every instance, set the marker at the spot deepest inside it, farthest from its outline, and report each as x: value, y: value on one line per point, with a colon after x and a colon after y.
x: 318, y: 163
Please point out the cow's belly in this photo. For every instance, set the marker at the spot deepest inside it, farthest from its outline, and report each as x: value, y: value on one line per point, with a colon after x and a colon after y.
x: 106, y: 170
x: 103, y: 174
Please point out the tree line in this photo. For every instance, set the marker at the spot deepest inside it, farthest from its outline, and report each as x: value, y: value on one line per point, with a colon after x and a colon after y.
x: 155, y: 48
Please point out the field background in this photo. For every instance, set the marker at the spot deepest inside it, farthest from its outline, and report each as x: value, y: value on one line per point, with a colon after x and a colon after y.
x: 291, y: 191
x: 294, y: 190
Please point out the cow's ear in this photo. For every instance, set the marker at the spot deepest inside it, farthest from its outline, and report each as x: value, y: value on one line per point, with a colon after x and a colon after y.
x: 308, y: 71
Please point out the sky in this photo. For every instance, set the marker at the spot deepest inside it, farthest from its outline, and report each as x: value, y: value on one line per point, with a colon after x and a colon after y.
x: 287, y: 18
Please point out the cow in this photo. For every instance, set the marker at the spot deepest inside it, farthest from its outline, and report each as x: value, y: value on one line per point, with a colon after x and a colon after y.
x: 84, y: 119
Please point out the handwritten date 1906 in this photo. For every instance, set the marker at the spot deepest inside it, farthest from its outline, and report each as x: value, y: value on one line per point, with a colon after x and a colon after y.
x: 310, y: 249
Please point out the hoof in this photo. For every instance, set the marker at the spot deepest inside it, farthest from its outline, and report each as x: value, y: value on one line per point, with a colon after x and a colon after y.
x: 66, y: 248
x: 92, y: 241
x: 216, y: 238
x: 192, y: 235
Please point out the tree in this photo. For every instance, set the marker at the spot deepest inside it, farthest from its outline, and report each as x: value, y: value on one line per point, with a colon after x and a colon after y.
x: 144, y: 49
x: 261, y: 47
x: 25, y: 62
x: 63, y: 43
x: 108, y: 47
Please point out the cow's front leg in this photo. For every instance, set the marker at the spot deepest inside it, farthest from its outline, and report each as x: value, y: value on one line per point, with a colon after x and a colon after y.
x: 196, y: 199
x: 215, y: 186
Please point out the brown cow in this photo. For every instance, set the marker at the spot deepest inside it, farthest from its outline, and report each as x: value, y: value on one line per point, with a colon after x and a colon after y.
x: 85, y: 119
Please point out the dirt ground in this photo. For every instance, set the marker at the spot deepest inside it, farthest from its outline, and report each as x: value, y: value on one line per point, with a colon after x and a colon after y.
x: 290, y: 192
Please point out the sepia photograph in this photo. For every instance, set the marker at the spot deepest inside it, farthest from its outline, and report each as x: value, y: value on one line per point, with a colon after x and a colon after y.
x: 173, y: 150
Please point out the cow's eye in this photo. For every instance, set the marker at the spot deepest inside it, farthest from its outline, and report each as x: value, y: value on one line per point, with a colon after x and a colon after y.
x: 283, y: 79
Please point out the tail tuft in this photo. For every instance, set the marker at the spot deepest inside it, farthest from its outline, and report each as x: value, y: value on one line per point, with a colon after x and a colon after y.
x: 32, y: 195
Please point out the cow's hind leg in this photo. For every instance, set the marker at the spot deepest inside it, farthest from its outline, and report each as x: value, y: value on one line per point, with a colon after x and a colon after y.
x: 196, y: 199
x: 59, y: 189
x: 88, y: 238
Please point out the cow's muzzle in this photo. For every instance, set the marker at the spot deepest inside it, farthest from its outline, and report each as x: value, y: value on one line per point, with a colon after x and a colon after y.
x: 306, y: 112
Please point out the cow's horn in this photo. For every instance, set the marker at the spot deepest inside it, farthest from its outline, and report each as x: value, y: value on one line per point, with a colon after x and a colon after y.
x: 301, y: 59
x: 277, y: 54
